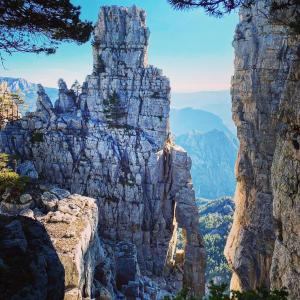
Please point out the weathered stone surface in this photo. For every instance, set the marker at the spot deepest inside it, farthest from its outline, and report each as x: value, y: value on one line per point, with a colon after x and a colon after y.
x: 27, y: 168
x: 127, y: 268
x: 29, y: 265
x: 265, y: 53
x: 285, y: 269
x: 14, y: 208
x: 72, y: 227
x: 25, y: 198
x: 70, y: 224
x: 112, y: 142
x: 49, y: 200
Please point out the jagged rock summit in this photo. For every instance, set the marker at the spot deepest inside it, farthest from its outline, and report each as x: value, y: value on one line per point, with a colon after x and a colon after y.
x: 112, y: 142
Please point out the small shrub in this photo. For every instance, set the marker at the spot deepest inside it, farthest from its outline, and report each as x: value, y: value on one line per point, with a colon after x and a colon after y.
x: 113, y: 110
x: 4, y: 159
x: 261, y: 294
x: 156, y: 95
x: 37, y: 137
x: 219, y: 292
x: 13, y: 181
x: 10, y: 180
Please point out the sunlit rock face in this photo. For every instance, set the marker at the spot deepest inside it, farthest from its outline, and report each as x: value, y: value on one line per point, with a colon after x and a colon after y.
x: 111, y: 142
x: 264, y: 86
x: 72, y: 227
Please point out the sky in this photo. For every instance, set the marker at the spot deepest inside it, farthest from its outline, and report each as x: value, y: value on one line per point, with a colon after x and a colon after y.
x: 193, y: 49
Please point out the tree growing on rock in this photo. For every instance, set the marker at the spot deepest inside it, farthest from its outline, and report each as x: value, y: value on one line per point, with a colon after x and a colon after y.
x: 76, y: 87
x: 38, y: 26
x: 10, y: 106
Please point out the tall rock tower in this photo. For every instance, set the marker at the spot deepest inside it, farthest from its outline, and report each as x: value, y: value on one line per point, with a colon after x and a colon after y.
x: 112, y: 142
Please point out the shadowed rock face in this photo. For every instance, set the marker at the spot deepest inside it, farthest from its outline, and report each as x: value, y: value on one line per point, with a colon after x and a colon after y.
x: 285, y: 268
x: 49, y: 245
x: 112, y: 143
x: 264, y: 87
x: 29, y: 265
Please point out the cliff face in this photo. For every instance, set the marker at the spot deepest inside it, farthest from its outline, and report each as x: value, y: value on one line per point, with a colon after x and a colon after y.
x: 111, y: 142
x: 264, y: 86
x: 285, y: 268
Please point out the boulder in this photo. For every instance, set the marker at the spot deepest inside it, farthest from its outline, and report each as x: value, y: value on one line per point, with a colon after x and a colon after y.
x: 25, y: 198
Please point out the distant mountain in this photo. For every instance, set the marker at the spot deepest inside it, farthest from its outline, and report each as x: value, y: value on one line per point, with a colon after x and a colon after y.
x: 28, y: 89
x: 213, y: 157
x: 187, y: 120
x: 212, y: 147
x: 217, y: 102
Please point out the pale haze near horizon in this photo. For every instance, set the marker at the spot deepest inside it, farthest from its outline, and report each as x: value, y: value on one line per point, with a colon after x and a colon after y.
x: 193, y: 49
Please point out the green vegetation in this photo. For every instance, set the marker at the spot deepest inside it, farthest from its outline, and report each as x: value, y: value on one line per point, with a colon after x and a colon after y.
x: 11, y: 105
x: 215, y: 223
x: 218, y: 8
x: 215, y: 218
x: 76, y: 88
x: 37, y: 137
x: 156, y: 95
x: 113, y: 110
x: 38, y: 26
x: 10, y: 181
x: 219, y: 292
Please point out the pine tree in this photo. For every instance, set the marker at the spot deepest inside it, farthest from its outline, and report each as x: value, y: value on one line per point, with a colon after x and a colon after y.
x: 76, y: 87
x: 220, y: 7
x: 38, y: 26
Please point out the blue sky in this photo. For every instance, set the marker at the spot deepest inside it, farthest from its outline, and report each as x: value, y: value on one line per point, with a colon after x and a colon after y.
x: 194, y: 50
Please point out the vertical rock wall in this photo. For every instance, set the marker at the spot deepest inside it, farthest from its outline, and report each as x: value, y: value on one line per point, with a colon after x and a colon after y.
x: 265, y: 52
x: 112, y: 143
x: 285, y: 268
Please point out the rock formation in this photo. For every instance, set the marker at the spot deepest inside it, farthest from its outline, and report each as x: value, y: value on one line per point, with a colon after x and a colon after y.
x: 112, y: 142
x: 265, y: 98
x: 285, y: 268
x: 72, y: 227
x: 29, y: 265
x: 62, y: 234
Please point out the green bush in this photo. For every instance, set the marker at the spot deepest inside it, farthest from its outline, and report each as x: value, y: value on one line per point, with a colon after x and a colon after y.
x: 37, y: 137
x: 219, y: 292
x: 113, y: 110
x: 10, y: 180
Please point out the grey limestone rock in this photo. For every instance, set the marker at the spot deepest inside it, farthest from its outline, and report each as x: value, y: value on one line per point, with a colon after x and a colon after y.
x: 29, y: 265
x: 264, y: 89
x: 28, y: 169
x: 112, y: 142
